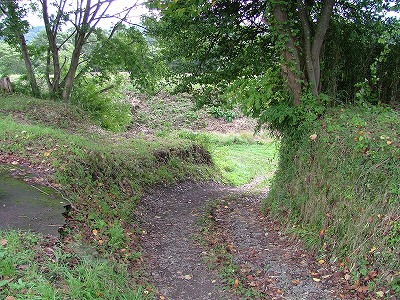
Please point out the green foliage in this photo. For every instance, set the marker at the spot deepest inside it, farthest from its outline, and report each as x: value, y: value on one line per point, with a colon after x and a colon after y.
x: 104, y: 106
x: 40, y: 272
x: 219, y: 112
x: 10, y: 61
x: 363, y: 65
x: 128, y: 50
x: 337, y: 184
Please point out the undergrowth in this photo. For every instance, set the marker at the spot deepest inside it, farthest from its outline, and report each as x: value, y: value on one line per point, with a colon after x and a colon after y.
x: 103, y: 178
x: 338, y: 186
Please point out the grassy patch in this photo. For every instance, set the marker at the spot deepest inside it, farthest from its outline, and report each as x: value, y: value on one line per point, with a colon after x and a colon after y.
x: 338, y: 186
x: 241, y: 158
x: 30, y: 269
x: 103, y: 177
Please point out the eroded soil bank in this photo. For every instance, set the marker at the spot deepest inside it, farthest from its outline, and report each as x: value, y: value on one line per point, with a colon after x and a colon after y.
x: 270, y: 262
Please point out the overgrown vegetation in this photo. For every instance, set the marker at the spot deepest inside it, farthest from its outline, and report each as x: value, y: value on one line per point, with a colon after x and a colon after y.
x: 29, y: 269
x: 103, y: 179
x: 338, y: 185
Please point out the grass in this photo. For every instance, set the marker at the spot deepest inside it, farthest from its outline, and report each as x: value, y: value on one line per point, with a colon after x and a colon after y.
x: 103, y: 177
x: 241, y: 158
x: 337, y: 186
x: 29, y: 270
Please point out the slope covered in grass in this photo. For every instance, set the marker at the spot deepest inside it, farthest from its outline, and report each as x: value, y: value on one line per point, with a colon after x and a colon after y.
x: 102, y: 176
x: 339, y: 185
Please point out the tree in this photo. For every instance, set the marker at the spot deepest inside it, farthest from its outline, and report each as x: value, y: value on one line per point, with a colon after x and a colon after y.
x: 11, y: 61
x: 85, y: 18
x: 83, y: 15
x: 293, y: 38
x: 13, y: 28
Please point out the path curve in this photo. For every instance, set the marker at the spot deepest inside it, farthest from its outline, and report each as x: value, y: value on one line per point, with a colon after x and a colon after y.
x: 176, y: 260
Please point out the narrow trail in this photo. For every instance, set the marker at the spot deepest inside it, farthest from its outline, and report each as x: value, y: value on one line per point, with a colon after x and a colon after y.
x: 273, y: 264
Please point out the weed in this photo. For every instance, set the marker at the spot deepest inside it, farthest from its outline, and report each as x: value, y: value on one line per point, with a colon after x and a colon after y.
x: 338, y: 184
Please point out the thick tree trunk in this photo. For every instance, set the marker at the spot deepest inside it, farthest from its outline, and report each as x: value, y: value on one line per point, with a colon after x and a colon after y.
x: 28, y: 64
x: 312, y: 45
x: 291, y: 62
x: 68, y: 81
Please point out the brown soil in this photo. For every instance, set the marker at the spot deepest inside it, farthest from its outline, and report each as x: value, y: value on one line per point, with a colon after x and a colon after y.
x: 268, y: 260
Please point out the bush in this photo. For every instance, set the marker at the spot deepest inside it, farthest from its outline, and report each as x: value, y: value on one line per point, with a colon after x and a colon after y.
x: 103, y: 104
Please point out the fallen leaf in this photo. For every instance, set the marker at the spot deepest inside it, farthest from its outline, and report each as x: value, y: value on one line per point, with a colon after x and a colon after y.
x: 321, y: 261
x: 389, y: 142
x: 162, y: 298
x: 3, y: 242
x: 372, y: 250
x: 94, y: 231
x: 372, y: 274
x: 14, y: 162
x: 347, y: 277
x: 362, y: 289
x: 253, y: 283
x: 188, y: 277
x: 313, y: 137
x: 316, y: 279
x: 236, y: 283
x: 279, y: 291
x: 296, y: 281
x: 46, y: 154
x: 321, y: 233
x: 380, y: 294
x: 100, y: 242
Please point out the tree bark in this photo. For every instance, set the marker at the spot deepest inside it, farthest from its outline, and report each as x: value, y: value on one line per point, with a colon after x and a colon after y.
x: 51, y: 32
x: 290, y: 66
x: 28, y: 65
x: 312, y: 45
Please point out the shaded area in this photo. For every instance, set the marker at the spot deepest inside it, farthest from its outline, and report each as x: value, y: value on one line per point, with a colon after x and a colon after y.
x: 28, y: 207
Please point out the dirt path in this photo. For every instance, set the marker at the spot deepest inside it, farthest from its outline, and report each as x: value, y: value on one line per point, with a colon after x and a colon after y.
x: 268, y: 261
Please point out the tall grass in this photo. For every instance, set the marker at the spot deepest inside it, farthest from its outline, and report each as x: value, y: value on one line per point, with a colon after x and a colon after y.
x: 338, y: 184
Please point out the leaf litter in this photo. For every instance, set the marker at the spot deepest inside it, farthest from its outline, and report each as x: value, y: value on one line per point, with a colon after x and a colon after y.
x: 270, y: 263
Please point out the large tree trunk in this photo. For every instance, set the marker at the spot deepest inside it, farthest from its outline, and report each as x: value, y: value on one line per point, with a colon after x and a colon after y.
x: 312, y: 45
x: 68, y: 81
x: 291, y: 62
x: 28, y: 64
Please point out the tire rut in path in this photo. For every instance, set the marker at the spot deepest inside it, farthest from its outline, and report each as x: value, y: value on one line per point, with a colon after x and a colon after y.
x: 175, y: 259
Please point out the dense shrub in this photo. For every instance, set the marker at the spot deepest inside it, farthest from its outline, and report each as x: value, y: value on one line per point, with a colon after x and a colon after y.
x: 103, y: 103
